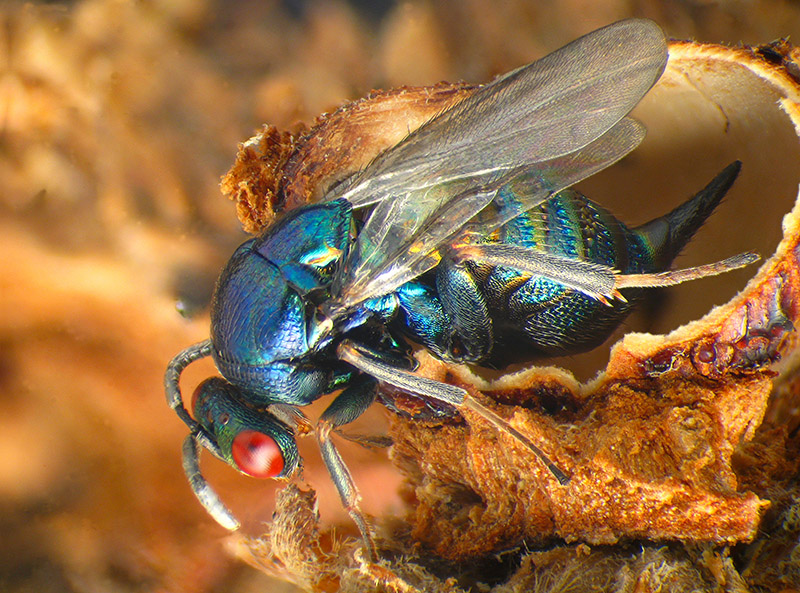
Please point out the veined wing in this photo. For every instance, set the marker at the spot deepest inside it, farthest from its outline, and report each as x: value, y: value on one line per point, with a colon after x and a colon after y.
x: 399, y: 256
x: 536, y: 183
x: 545, y: 126
x: 549, y: 108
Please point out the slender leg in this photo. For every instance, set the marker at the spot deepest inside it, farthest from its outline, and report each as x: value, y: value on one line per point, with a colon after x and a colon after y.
x: 470, y: 332
x: 452, y: 320
x: 347, y: 406
x: 594, y: 280
x: 673, y: 277
x: 442, y: 392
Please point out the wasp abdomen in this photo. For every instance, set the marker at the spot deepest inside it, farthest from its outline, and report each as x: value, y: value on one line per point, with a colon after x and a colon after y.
x: 535, y: 316
x: 555, y: 320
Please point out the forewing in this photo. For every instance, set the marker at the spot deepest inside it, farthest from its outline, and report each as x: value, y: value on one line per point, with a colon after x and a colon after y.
x: 536, y: 183
x: 400, y: 257
x: 527, y: 128
x: 544, y: 110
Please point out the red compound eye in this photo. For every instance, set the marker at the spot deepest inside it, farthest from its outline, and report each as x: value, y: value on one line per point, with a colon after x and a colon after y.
x: 257, y: 454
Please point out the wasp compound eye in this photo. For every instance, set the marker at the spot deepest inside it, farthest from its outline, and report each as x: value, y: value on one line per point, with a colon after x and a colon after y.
x: 257, y: 454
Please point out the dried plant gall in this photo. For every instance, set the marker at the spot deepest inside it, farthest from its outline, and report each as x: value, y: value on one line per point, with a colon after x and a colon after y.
x: 667, y: 443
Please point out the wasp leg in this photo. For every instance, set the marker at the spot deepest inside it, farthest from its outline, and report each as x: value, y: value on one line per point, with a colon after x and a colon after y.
x: 348, y: 405
x: 470, y: 334
x: 594, y: 280
x: 366, y: 440
x: 452, y: 320
x: 201, y: 488
x: 438, y: 391
x: 673, y: 277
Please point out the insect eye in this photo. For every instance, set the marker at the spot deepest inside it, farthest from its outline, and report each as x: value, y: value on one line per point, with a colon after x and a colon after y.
x: 257, y: 454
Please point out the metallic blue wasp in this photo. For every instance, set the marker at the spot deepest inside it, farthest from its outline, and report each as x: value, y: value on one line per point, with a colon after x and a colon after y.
x: 461, y: 238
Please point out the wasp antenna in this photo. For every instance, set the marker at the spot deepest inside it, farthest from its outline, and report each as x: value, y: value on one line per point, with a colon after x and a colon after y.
x: 201, y: 488
x: 172, y: 379
x: 175, y: 400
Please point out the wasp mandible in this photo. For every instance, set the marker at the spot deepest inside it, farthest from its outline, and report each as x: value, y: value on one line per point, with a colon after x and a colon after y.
x: 463, y: 239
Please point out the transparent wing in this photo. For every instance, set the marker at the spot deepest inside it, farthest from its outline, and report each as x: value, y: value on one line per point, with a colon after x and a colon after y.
x: 544, y: 110
x: 510, y: 144
x: 386, y: 256
x: 535, y: 183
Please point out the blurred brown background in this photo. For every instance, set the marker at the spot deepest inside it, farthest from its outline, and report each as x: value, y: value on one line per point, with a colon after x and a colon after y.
x: 117, y: 120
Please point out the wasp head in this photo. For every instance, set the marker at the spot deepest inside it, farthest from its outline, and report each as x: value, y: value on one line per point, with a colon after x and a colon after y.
x: 252, y: 440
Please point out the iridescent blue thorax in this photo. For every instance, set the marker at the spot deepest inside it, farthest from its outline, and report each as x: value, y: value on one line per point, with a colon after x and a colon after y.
x: 261, y: 315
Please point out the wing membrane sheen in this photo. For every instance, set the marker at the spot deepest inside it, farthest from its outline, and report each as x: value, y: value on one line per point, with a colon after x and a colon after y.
x: 499, y: 152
